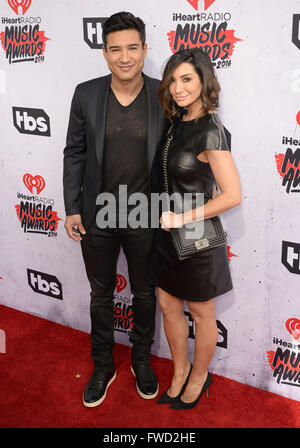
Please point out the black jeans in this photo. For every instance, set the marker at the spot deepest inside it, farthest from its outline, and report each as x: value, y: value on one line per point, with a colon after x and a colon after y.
x: 100, y: 249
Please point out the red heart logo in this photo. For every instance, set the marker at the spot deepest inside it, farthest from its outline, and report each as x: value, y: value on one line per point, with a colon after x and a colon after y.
x: 15, y: 4
x: 293, y: 326
x: 121, y: 283
x: 195, y: 3
x: 34, y: 181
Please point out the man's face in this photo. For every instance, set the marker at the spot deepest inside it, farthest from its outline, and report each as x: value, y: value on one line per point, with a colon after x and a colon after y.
x: 124, y: 54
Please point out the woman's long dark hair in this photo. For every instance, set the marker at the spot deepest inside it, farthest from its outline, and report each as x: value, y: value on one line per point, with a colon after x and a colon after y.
x: 203, y: 66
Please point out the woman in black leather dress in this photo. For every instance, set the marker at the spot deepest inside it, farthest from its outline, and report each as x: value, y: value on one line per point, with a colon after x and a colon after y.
x: 198, y: 157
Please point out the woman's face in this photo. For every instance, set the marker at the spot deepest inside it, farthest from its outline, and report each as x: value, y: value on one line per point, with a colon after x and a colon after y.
x: 185, y: 87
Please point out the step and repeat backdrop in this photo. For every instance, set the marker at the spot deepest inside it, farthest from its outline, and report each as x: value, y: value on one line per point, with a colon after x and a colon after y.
x: 46, y: 49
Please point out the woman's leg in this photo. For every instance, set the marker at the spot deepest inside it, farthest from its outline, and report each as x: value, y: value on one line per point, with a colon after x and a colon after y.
x: 206, y: 336
x: 176, y: 329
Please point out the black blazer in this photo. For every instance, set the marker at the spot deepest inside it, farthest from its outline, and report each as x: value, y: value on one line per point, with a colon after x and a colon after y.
x: 83, y: 154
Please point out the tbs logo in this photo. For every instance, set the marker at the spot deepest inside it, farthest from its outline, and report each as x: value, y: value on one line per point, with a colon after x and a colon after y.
x: 31, y: 121
x: 45, y: 284
x: 222, y: 331
x: 92, y: 31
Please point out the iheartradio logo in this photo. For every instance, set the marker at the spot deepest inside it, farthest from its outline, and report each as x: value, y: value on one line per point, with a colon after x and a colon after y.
x: 19, y: 5
x: 285, y: 361
x: 32, y: 182
x: 195, y: 4
x: 293, y: 326
x: 36, y: 213
x: 121, y: 283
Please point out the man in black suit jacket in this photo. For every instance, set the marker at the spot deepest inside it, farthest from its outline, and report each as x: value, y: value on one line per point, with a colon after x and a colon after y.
x: 116, y: 126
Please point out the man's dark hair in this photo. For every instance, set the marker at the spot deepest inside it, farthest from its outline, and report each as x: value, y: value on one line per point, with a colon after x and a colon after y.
x: 123, y: 21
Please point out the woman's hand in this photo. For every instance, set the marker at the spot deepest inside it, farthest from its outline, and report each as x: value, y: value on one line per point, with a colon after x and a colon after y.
x: 170, y: 220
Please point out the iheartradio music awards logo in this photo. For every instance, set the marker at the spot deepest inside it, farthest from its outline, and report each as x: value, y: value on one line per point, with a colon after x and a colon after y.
x: 123, y: 314
x: 35, y: 213
x: 209, y: 31
x: 288, y: 164
x: 22, y: 40
x: 285, y: 362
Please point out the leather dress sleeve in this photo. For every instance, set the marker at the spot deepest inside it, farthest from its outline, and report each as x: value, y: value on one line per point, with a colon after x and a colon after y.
x: 214, y: 136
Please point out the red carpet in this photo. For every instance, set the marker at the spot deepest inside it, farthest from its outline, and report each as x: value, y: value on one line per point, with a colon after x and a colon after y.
x: 47, y: 365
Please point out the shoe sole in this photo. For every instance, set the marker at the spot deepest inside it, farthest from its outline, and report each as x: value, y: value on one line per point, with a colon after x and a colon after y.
x: 146, y: 397
x: 96, y: 403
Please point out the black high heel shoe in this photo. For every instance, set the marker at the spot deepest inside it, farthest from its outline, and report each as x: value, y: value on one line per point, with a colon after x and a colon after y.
x: 166, y: 399
x: 179, y: 404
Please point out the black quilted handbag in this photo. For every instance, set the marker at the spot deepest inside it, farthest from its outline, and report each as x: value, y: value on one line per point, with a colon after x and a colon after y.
x: 213, y: 234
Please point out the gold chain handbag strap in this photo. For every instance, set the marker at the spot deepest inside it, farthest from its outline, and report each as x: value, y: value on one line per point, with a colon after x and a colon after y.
x: 169, y: 138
